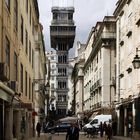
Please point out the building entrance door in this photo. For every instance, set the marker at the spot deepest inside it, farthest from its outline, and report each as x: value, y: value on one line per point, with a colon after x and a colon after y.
x: 1, y: 122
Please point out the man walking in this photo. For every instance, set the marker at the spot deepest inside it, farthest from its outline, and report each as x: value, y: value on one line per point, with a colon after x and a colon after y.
x: 73, y: 132
x: 38, y: 129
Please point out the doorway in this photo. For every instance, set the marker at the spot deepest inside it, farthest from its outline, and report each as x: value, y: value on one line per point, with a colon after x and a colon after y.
x: 1, y: 122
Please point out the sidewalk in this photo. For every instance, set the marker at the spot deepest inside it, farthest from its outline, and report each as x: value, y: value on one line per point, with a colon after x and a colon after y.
x: 123, y: 138
x: 43, y: 136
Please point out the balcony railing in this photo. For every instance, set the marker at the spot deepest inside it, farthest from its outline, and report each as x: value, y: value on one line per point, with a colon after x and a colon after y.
x: 96, y: 85
x: 63, y: 33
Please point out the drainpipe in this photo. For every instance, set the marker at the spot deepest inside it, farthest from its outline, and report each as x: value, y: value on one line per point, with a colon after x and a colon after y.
x: 2, y: 3
x: 2, y: 32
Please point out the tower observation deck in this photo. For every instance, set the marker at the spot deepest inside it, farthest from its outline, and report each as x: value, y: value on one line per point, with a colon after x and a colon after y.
x: 62, y: 35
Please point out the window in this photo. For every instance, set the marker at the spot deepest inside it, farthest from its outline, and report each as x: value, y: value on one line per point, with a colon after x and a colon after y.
x: 30, y: 51
x: 62, y: 58
x: 61, y: 111
x: 70, y: 16
x: 8, y: 4
x: 29, y: 88
x: 21, y: 29
x: 52, y: 58
x: 26, y: 83
x: 27, y: 6
x: 54, y: 15
x: 52, y: 85
x: 26, y: 39
x: 62, y: 85
x: 62, y: 71
x: 15, y: 66
x: 16, y: 15
x: 30, y: 15
x: 52, y: 77
x: 21, y: 77
x: 7, y: 51
x: 32, y: 58
x: 32, y: 91
x: 33, y: 24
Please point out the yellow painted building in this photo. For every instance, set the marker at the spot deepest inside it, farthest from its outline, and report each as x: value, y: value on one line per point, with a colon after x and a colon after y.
x: 18, y: 22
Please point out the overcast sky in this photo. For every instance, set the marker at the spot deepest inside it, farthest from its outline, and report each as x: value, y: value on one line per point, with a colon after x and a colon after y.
x: 87, y: 13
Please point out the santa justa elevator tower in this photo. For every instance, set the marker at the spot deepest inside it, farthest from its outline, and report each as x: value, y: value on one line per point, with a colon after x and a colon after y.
x: 62, y: 34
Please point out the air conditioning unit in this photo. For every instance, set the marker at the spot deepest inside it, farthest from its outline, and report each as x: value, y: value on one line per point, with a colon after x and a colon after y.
x: 14, y: 86
x: 4, y: 72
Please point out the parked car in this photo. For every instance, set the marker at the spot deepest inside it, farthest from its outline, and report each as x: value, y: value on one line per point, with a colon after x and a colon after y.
x: 61, y: 127
x: 48, y: 125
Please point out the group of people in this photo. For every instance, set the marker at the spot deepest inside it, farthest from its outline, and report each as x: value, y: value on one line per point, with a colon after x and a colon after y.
x: 106, y: 129
x: 72, y: 132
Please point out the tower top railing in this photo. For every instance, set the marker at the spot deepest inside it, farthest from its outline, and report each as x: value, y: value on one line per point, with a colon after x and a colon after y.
x: 62, y: 3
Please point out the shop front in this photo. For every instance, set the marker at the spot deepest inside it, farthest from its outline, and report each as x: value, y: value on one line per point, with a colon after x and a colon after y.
x: 6, y: 112
x: 126, y: 117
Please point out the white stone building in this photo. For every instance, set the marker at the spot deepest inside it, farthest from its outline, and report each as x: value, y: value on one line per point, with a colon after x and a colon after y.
x: 52, y: 57
x: 78, y: 80
x: 99, y: 68
x: 40, y: 74
x: 127, y: 15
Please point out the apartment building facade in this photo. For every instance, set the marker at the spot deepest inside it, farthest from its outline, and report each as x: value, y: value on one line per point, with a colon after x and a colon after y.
x: 94, y: 71
x: 52, y: 57
x: 78, y: 80
x: 127, y: 15
x: 40, y: 75
x: 18, y: 20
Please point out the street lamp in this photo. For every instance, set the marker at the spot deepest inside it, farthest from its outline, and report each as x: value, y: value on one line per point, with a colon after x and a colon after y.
x: 136, y: 61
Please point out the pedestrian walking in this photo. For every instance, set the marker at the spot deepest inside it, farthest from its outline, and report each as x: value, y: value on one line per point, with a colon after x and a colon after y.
x: 38, y: 129
x: 114, y: 128
x: 101, y: 129
x: 109, y: 132
x: 73, y: 132
x: 105, y: 128
x: 23, y: 128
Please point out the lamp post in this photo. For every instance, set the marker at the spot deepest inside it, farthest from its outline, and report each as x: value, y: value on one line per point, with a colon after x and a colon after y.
x: 136, y: 61
x: 136, y: 65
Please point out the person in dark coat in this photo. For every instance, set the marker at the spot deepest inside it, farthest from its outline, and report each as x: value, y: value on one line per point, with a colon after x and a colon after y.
x: 101, y: 129
x: 105, y: 128
x: 109, y: 132
x: 73, y: 132
x: 38, y: 129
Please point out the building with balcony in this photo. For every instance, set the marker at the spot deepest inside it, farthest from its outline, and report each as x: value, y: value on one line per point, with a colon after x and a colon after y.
x: 99, y: 68
x: 18, y: 22
x: 39, y: 76
x: 78, y: 80
x: 127, y: 15
x: 52, y: 57
x: 62, y: 34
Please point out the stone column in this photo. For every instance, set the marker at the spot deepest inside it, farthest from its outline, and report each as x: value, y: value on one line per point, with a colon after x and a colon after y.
x: 118, y: 126
x: 9, y: 123
x: 125, y: 126
x: 133, y: 114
